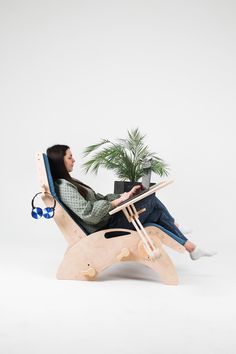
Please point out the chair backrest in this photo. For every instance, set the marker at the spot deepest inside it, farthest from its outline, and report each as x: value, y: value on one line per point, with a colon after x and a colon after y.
x: 66, y: 220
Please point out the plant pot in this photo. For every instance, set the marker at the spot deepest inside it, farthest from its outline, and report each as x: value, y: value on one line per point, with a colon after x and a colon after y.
x: 125, y: 186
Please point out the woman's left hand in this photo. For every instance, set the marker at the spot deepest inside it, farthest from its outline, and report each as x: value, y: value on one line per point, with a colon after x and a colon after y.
x: 134, y: 190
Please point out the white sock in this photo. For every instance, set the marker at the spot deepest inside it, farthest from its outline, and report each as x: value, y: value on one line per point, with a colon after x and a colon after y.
x: 198, y: 252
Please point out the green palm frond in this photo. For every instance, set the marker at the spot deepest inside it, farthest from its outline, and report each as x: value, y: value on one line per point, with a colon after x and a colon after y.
x: 93, y: 147
x: 125, y: 157
x: 159, y: 167
x: 107, y: 157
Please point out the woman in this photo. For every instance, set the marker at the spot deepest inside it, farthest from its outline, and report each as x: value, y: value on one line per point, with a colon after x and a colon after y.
x: 93, y: 208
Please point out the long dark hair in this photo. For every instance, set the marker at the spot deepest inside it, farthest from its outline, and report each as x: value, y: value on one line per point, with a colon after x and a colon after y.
x: 56, y: 155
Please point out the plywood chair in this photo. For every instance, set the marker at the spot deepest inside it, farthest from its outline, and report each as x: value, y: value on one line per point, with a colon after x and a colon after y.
x: 88, y: 255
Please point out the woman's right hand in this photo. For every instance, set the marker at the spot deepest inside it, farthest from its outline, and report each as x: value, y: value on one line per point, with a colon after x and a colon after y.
x: 124, y: 196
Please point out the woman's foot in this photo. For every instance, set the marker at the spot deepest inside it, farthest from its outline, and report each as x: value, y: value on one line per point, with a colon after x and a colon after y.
x: 198, y: 252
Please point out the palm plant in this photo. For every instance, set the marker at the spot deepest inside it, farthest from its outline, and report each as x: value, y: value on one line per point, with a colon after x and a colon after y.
x: 126, y: 157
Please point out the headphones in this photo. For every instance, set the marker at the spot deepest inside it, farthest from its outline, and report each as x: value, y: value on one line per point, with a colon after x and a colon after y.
x: 47, y: 213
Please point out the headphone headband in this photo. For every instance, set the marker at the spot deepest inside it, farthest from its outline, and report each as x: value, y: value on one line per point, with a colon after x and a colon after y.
x: 32, y: 202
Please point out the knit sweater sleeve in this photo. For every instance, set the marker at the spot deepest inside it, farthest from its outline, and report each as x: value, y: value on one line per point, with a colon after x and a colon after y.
x: 90, y: 211
x: 109, y: 197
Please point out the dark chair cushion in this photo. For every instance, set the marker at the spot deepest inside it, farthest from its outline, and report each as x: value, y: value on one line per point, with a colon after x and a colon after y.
x: 53, y: 193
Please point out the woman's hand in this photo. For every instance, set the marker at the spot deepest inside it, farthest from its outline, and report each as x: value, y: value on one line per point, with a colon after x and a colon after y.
x: 134, y: 190
x: 126, y: 195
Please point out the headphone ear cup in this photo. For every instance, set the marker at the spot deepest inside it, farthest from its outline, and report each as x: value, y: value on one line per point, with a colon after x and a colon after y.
x: 36, y: 213
x: 48, y: 212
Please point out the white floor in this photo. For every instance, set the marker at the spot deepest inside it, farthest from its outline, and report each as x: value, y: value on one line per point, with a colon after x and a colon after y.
x: 127, y: 310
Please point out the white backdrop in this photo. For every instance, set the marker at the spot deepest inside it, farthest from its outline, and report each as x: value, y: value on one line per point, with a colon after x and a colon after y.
x: 73, y: 72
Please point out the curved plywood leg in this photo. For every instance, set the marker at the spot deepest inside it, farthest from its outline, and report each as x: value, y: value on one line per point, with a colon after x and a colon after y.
x: 165, y: 268
x: 163, y: 265
x: 92, y: 254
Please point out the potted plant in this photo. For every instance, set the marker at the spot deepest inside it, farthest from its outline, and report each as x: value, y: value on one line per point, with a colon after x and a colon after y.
x: 130, y: 159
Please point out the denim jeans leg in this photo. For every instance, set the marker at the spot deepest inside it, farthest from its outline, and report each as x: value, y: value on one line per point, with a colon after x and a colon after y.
x: 119, y: 220
x: 168, y: 224
x: 160, y: 206
x: 155, y: 212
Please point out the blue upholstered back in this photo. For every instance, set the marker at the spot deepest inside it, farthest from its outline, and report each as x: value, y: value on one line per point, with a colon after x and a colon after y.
x: 49, y: 175
x: 53, y: 193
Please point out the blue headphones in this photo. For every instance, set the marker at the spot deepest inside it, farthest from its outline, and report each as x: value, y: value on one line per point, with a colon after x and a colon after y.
x: 47, y: 213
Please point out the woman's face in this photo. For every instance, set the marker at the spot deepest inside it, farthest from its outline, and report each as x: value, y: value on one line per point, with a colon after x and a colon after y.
x: 69, y: 160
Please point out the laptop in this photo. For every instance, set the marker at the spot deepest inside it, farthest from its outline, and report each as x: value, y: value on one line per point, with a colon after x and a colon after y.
x: 142, y: 191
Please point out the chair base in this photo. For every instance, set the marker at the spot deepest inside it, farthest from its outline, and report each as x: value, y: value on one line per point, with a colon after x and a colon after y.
x: 86, y: 259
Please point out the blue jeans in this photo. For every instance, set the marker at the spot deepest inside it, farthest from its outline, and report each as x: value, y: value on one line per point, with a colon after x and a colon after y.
x: 156, y: 213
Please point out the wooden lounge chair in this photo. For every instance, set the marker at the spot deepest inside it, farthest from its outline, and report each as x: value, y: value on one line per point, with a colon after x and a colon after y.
x: 88, y: 255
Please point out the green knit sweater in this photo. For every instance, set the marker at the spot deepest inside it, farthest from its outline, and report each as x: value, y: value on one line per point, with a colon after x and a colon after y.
x: 93, y: 211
